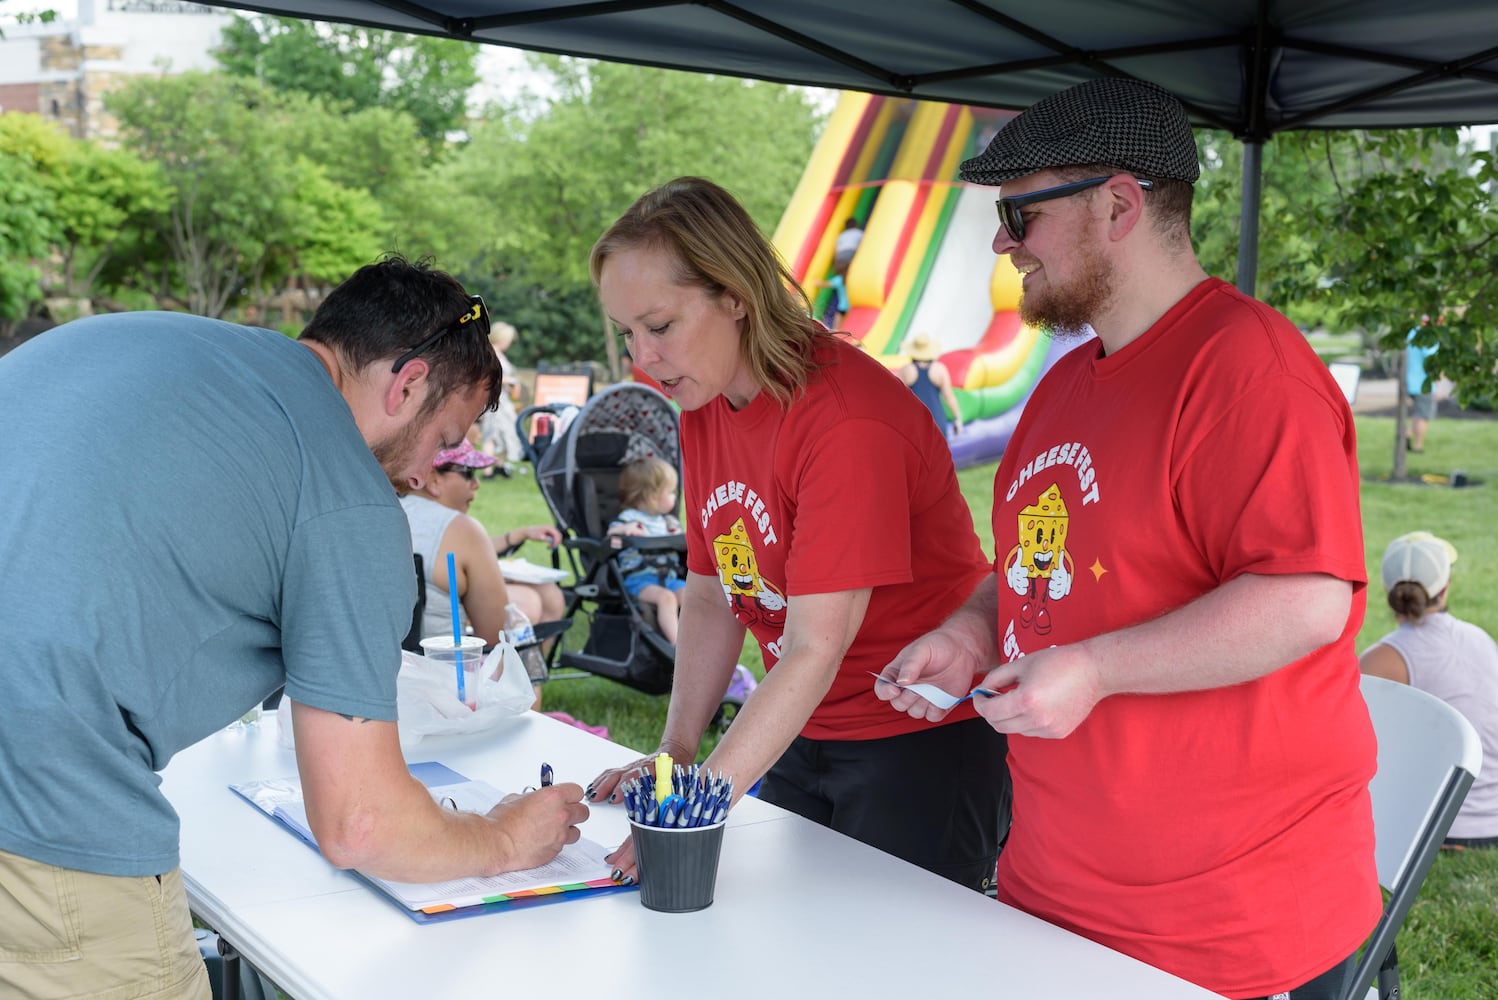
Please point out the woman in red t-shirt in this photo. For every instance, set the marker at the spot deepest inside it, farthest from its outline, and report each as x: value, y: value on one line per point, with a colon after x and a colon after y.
x: 823, y: 515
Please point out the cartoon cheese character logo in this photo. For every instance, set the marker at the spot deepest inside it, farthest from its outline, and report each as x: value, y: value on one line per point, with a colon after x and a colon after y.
x: 1042, y: 533
x: 752, y: 597
x: 736, y: 560
x: 1036, y: 569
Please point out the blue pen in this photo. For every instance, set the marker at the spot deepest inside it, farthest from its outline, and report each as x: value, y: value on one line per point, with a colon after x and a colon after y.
x: 709, y: 808
x: 651, y: 810
x: 671, y: 810
x: 546, y: 775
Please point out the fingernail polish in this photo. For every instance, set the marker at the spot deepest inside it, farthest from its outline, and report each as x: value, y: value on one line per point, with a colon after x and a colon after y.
x: 628, y: 880
x: 589, y: 792
x: 617, y: 875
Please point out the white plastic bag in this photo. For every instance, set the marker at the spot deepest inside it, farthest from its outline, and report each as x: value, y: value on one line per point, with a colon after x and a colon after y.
x: 428, y: 705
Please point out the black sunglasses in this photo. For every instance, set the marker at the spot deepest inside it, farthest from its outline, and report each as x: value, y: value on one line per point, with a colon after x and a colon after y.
x: 476, y: 314
x: 467, y: 473
x: 1009, y: 208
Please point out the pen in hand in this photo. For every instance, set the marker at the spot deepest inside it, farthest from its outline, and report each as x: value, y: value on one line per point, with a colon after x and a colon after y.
x: 546, y: 776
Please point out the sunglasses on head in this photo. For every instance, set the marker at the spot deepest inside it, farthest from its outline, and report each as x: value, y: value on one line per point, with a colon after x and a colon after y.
x: 466, y: 472
x: 1009, y: 208
x: 476, y: 314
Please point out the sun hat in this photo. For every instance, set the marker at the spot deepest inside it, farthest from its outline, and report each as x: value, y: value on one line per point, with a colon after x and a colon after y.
x: 463, y: 454
x: 1419, y: 557
x: 1129, y: 124
x: 921, y: 347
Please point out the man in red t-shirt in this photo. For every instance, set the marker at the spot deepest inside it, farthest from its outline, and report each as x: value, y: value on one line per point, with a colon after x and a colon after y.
x: 1178, y: 582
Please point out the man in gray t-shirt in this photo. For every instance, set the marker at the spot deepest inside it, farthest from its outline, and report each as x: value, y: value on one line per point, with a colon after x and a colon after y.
x: 197, y: 514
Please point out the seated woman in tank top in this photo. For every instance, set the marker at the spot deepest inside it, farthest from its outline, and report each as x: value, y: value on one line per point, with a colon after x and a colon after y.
x: 1439, y: 653
x: 440, y: 523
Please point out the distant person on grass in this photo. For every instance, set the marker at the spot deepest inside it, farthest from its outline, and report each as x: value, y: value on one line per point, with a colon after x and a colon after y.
x: 931, y: 382
x: 1417, y: 385
x: 1440, y: 654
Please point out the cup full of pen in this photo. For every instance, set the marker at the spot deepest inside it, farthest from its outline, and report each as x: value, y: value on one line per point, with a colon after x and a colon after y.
x: 676, y: 817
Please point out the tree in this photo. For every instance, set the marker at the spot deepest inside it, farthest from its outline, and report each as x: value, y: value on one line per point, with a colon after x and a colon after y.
x: 27, y: 227
x: 540, y: 180
x: 1413, y: 230
x: 1370, y: 230
x: 102, y: 198
x: 247, y: 211
x: 28, y: 17
x: 362, y: 68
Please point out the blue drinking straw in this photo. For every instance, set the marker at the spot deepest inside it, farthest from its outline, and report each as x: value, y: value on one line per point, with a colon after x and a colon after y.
x: 452, y: 591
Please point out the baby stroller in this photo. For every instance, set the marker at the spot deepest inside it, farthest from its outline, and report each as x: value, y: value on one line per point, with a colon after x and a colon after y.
x: 578, y: 454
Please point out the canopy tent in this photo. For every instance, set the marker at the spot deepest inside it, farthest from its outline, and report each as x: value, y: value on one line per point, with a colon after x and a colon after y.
x: 1252, y: 67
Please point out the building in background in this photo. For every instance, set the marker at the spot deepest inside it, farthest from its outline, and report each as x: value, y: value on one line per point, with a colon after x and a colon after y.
x: 63, y: 70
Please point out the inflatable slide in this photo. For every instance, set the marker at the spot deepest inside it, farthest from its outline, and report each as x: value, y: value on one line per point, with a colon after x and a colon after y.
x: 924, y: 262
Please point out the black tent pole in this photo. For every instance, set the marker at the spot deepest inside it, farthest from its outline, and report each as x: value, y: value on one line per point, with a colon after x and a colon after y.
x: 1248, y: 215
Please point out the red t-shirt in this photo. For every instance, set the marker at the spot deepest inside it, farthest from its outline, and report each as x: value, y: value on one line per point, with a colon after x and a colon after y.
x: 851, y: 486
x: 1225, y: 835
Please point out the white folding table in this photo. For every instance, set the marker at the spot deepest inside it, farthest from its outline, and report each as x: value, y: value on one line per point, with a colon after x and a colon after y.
x: 799, y: 910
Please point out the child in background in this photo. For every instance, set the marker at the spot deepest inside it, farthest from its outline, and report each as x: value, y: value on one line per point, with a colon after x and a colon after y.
x: 647, y: 490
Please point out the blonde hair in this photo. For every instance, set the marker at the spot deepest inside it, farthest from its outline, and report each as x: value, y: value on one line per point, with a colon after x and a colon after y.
x: 643, y: 478
x: 718, y: 248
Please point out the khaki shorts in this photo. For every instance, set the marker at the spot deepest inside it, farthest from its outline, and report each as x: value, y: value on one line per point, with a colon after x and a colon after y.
x: 67, y: 933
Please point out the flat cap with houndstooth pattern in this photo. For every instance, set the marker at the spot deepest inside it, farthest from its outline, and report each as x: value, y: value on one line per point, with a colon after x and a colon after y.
x: 1129, y: 124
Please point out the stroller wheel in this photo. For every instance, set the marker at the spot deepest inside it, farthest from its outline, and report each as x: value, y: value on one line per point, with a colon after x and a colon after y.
x: 740, y: 687
x: 727, y: 711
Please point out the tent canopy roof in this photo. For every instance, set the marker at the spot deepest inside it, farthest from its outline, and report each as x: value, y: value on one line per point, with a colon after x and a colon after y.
x: 1253, y: 67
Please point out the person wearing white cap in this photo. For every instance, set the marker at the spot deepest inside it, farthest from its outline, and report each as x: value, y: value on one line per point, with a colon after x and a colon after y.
x: 1442, y: 655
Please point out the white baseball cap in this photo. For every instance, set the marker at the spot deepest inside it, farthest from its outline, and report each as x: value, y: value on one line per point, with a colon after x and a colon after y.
x: 1419, y: 557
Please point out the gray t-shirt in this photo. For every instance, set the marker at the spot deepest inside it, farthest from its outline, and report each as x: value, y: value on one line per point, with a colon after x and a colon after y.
x: 192, y: 518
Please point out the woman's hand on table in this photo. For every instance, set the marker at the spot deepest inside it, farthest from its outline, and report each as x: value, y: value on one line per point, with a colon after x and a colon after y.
x: 626, y: 871
x: 609, y: 786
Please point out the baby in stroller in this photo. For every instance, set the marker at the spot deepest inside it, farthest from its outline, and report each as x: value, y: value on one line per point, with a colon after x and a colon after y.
x: 584, y: 460
x: 647, y: 492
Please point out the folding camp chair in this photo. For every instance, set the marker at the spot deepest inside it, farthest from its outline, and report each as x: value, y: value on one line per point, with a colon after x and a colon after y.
x: 1428, y: 756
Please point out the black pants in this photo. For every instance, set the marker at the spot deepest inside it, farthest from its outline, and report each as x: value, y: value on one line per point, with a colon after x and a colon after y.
x: 932, y: 797
x: 1330, y: 985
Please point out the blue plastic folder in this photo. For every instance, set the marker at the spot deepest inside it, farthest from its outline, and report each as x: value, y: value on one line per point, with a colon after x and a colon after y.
x: 578, y: 873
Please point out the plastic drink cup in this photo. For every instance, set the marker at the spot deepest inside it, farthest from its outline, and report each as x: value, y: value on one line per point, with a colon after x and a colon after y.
x: 471, y: 651
x: 678, y: 865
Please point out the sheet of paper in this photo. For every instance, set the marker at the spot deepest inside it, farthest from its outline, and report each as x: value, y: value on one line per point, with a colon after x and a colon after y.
x: 932, y: 693
x: 522, y: 571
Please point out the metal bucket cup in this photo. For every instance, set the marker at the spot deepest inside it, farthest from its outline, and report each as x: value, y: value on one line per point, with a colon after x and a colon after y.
x: 678, y: 866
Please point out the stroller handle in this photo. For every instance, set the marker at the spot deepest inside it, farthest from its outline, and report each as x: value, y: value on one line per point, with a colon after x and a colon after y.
x: 535, y: 445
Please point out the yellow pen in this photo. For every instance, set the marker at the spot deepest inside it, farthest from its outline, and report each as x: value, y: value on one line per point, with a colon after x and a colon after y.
x: 662, y: 777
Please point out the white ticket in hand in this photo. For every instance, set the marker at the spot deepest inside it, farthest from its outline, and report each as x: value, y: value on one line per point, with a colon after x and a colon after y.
x: 932, y: 693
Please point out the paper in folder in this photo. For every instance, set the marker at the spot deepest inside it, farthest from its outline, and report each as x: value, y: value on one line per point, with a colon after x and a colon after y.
x: 577, y: 872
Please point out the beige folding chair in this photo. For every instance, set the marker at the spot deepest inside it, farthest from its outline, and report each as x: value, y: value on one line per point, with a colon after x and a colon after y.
x: 1428, y: 756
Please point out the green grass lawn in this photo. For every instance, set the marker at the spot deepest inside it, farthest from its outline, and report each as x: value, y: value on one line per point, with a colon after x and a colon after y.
x: 1449, y: 947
